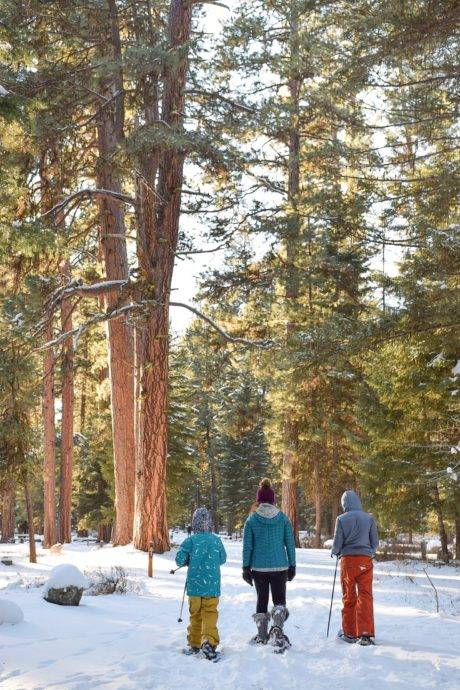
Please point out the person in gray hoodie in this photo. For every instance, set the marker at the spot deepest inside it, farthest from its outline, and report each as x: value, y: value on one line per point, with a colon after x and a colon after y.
x: 355, y: 543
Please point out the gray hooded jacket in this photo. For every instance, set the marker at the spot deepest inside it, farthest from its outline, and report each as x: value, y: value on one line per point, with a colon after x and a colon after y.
x: 355, y: 530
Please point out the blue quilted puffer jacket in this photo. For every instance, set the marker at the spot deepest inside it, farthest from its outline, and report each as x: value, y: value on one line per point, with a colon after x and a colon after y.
x: 268, y: 540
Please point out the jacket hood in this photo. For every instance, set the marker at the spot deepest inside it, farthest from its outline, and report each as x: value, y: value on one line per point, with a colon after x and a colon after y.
x: 267, y: 510
x: 202, y: 520
x: 351, y: 501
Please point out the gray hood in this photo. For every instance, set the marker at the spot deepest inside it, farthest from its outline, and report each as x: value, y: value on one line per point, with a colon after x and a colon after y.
x: 202, y: 520
x: 351, y: 501
x: 267, y: 510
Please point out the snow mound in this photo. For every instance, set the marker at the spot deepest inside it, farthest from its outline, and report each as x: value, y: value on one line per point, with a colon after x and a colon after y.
x: 10, y: 612
x: 328, y: 544
x: 65, y: 575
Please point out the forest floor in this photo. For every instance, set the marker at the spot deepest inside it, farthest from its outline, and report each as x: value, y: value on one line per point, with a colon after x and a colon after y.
x: 133, y: 641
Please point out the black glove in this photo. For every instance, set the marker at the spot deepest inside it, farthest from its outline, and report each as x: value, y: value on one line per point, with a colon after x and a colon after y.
x: 247, y: 575
x: 291, y: 573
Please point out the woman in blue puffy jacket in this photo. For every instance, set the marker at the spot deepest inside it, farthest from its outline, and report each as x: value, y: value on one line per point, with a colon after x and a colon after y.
x: 268, y: 563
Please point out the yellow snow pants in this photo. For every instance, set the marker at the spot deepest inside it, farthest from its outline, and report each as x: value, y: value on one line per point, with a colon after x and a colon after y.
x: 203, y: 621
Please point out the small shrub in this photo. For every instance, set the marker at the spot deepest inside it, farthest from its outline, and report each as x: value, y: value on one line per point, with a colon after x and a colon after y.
x: 113, y: 581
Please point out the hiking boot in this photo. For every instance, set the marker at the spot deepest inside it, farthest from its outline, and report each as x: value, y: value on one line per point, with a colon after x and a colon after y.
x: 189, y: 650
x: 261, y: 620
x: 366, y: 641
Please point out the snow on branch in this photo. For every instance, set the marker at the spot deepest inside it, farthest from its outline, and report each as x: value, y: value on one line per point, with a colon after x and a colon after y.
x: 117, y: 312
x: 88, y: 192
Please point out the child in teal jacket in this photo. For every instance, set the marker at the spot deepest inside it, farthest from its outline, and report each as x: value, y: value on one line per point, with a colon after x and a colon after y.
x: 204, y: 553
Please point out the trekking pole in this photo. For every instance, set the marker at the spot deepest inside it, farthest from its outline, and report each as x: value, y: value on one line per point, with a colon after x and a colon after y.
x: 179, y: 620
x: 332, y: 596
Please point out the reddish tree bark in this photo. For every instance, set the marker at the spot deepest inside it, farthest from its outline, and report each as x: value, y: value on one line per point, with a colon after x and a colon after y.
x: 441, y: 525
x: 457, y: 521
x: 30, y: 520
x: 290, y: 433
x: 65, y: 497
x: 158, y: 223
x: 150, y: 523
x: 318, y: 503
x: 8, y: 500
x: 49, y: 462
x: 120, y: 333
x: 290, y: 478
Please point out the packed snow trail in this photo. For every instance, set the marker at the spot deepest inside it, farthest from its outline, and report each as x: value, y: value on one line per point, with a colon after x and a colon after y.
x: 134, y: 642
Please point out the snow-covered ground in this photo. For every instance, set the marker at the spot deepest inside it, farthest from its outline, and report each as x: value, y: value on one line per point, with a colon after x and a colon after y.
x: 133, y: 641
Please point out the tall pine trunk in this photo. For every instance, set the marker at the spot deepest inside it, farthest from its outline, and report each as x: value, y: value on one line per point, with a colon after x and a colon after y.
x: 289, y: 486
x: 30, y: 521
x: 213, y: 477
x: 120, y: 332
x: 457, y: 521
x: 441, y: 525
x: 318, y: 503
x: 158, y: 230
x: 290, y: 435
x: 49, y: 460
x: 67, y: 376
x: 8, y: 500
x: 150, y: 523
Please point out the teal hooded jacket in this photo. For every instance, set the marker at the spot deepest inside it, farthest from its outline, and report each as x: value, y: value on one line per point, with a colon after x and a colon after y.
x: 204, y: 553
x: 268, y: 540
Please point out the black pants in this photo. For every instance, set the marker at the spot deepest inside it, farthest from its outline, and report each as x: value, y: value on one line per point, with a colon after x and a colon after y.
x: 274, y: 581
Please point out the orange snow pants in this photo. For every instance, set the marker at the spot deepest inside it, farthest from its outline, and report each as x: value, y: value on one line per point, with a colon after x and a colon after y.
x: 358, y: 609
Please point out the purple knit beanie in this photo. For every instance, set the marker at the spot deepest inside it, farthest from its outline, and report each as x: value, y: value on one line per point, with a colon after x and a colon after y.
x: 265, y: 493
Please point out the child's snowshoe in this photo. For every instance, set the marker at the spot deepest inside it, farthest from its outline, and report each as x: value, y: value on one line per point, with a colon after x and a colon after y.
x: 366, y: 641
x: 191, y: 651
x: 209, y: 652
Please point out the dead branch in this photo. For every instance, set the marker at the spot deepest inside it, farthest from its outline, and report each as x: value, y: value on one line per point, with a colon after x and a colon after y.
x: 435, y: 590
x: 82, y: 193
x: 216, y: 327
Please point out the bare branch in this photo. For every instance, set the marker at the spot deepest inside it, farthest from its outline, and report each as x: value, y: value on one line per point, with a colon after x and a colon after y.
x: 81, y: 193
x: 220, y: 330
x: 224, y: 99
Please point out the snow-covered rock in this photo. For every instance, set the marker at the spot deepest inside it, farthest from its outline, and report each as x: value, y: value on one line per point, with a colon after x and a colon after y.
x: 65, y: 585
x: 10, y: 612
